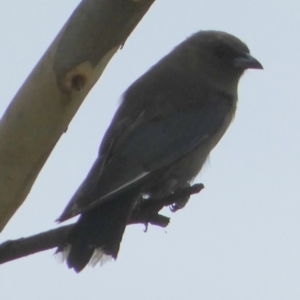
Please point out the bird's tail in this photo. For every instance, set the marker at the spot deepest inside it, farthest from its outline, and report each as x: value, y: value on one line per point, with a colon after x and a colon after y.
x: 97, y: 233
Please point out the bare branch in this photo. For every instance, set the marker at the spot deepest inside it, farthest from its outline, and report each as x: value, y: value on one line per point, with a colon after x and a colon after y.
x: 51, y: 95
x: 145, y: 212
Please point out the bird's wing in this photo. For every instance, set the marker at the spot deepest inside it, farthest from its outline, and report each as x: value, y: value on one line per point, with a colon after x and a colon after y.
x: 148, y: 144
x: 161, y: 141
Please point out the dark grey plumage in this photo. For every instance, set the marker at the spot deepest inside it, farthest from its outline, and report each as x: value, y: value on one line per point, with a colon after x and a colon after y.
x: 162, y: 133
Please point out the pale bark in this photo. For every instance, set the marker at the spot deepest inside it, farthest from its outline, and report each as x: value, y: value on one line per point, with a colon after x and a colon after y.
x: 49, y: 98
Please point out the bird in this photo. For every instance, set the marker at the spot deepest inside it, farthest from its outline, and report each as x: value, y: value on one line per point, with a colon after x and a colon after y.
x: 168, y: 122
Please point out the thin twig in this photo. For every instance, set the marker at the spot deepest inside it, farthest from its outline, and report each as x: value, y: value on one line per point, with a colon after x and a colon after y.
x: 145, y: 212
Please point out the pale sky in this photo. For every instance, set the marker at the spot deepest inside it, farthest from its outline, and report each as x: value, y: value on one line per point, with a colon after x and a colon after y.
x: 239, y: 238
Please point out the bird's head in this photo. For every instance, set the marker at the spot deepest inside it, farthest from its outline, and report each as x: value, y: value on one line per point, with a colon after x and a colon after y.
x: 218, y: 57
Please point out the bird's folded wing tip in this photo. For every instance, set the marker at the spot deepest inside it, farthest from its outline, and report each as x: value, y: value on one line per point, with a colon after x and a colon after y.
x: 67, y: 214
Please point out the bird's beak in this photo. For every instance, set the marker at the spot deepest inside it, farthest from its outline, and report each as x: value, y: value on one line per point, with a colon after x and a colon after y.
x: 246, y: 61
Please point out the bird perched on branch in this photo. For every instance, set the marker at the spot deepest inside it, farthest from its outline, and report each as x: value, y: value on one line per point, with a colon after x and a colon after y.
x: 167, y: 124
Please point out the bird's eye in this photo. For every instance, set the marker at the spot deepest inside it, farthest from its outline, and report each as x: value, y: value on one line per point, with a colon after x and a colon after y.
x: 222, y: 52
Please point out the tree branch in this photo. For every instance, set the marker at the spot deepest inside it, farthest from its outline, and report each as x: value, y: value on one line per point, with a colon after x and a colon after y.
x: 146, y: 212
x: 51, y: 95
